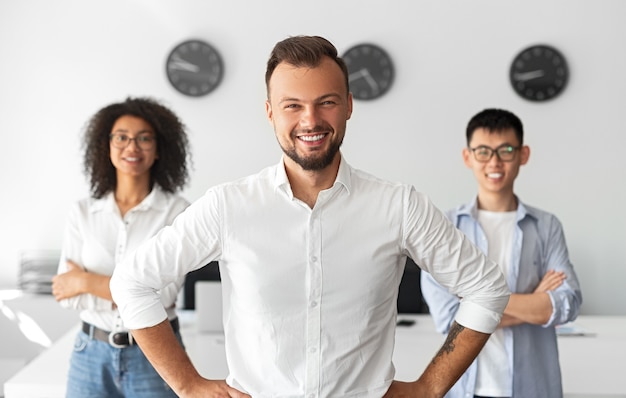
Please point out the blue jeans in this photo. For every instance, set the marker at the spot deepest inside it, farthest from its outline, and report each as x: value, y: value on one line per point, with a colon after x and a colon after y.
x: 98, y: 369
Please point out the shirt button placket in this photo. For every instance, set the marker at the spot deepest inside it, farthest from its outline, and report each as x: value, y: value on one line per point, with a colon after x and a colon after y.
x: 122, y: 238
x: 314, y: 271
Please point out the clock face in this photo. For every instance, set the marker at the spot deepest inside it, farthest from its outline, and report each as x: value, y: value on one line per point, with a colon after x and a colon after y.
x: 194, y: 68
x: 539, y: 73
x: 370, y: 71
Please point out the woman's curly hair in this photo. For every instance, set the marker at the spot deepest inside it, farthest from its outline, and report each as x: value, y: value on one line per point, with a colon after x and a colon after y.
x: 169, y: 170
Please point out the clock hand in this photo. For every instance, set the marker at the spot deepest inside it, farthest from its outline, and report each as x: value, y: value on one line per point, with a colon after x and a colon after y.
x: 357, y: 75
x: 522, y: 77
x: 370, y: 80
x: 181, y: 64
x: 365, y: 74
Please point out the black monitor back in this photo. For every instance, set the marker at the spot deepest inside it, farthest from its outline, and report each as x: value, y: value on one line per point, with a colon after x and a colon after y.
x: 410, y: 299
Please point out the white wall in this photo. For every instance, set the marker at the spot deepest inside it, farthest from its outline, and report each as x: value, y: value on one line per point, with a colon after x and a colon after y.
x: 63, y: 60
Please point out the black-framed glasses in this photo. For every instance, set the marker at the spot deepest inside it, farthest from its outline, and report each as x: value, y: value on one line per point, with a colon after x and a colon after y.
x: 505, y: 153
x: 143, y: 141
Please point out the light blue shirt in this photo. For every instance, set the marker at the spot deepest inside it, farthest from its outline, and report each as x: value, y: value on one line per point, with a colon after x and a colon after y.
x: 538, y: 246
x: 310, y: 294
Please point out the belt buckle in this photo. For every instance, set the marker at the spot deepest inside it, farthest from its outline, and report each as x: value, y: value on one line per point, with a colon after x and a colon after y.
x: 112, y: 336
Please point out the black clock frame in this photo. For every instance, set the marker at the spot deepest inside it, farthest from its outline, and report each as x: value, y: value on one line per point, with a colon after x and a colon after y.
x: 194, y: 68
x: 371, y: 71
x: 539, y: 73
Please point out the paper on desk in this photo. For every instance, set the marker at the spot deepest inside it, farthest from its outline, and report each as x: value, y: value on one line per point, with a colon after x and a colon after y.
x: 571, y: 329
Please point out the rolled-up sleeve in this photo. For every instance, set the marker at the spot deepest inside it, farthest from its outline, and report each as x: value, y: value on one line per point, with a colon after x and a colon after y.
x: 443, y: 251
x: 135, y: 285
x: 72, y: 249
x: 567, y: 298
x: 164, y: 260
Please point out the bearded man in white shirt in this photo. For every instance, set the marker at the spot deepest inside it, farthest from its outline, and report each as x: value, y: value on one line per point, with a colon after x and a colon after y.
x: 290, y: 240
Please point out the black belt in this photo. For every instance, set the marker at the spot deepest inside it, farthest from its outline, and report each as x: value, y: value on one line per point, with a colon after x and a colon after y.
x: 118, y: 339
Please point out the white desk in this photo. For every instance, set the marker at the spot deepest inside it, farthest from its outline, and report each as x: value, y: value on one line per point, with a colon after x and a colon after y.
x: 592, y: 365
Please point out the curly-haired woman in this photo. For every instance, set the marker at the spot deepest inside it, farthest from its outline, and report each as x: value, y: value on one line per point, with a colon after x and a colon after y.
x: 136, y: 158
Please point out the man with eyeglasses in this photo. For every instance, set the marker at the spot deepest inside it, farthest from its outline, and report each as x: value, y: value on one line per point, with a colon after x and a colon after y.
x: 520, y: 358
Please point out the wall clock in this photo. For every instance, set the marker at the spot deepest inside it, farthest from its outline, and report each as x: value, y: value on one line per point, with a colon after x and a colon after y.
x: 539, y: 73
x: 371, y: 71
x: 194, y: 68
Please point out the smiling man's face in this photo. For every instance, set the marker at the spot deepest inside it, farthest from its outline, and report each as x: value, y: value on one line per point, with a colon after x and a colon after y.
x: 309, y: 108
x: 495, y: 176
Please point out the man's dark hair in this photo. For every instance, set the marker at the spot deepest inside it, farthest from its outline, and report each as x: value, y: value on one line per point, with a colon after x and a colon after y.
x: 303, y: 51
x: 495, y: 120
x: 169, y: 170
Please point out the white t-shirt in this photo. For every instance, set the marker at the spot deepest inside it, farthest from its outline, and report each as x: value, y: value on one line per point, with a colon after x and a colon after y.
x: 494, y: 373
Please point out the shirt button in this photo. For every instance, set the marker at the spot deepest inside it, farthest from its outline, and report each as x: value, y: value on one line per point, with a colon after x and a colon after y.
x: 313, y: 304
x: 313, y: 259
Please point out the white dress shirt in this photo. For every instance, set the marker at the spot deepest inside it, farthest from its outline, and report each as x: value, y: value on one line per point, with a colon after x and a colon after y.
x: 310, y: 294
x: 98, y: 239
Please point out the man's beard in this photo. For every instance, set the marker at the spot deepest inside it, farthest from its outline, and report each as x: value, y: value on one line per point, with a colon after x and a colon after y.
x: 313, y: 163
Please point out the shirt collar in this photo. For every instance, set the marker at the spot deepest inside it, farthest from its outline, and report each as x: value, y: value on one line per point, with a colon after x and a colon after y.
x: 280, y: 179
x: 156, y: 199
x: 471, y: 209
x: 343, y: 176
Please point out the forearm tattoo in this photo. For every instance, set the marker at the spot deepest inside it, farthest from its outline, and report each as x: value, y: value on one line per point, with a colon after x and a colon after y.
x: 448, y: 346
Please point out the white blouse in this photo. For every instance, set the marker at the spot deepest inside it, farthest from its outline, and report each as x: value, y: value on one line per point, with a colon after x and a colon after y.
x: 98, y: 239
